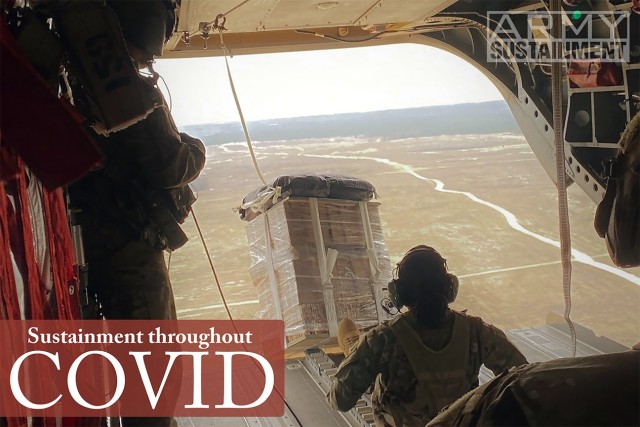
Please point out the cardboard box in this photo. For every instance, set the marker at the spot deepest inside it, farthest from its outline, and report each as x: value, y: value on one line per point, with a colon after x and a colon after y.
x: 290, y: 244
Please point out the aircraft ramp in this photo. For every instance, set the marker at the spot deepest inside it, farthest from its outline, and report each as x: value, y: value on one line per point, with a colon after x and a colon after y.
x: 307, y: 379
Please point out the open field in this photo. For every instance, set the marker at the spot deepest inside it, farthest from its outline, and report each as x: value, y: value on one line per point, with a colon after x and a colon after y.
x: 510, y: 278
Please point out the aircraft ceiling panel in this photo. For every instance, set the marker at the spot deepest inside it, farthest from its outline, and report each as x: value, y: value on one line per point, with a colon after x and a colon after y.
x: 404, y: 11
x: 317, y: 13
x: 246, y: 18
x: 259, y: 15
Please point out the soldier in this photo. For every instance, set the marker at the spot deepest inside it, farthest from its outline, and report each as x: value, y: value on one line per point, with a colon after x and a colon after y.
x: 131, y: 209
x: 423, y: 359
x: 600, y: 390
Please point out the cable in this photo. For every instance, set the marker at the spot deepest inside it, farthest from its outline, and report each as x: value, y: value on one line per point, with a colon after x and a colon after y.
x: 235, y: 7
x: 213, y: 269
x: 155, y: 76
x: 341, y: 39
x: 557, y: 123
x: 195, y: 219
x: 205, y: 27
x: 563, y: 208
x: 226, y: 306
x: 168, y: 91
x: 239, y: 108
x: 512, y: 60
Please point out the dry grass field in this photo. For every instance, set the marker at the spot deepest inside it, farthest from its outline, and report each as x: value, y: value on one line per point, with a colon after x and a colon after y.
x: 510, y: 278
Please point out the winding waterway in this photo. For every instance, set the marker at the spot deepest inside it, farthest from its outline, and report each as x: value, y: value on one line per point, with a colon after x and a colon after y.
x: 509, y: 217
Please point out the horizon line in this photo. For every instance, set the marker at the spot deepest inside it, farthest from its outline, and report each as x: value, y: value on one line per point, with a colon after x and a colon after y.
x: 349, y: 112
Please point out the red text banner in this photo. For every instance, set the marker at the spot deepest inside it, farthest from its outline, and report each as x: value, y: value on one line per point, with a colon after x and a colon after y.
x: 200, y: 368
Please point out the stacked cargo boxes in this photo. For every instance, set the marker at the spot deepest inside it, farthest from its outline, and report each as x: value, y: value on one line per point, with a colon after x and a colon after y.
x: 316, y: 261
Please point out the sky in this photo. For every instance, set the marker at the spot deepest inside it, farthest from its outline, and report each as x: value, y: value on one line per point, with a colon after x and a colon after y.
x: 297, y: 84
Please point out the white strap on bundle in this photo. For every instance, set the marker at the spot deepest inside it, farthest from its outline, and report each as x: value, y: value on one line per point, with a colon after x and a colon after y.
x: 368, y: 237
x: 257, y: 204
x: 326, y: 262
x: 373, y: 258
x: 270, y: 267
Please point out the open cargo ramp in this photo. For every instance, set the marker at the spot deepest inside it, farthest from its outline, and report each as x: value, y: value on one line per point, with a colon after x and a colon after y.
x: 307, y: 378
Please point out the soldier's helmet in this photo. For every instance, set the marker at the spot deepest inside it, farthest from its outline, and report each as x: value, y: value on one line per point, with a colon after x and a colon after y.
x: 423, y: 274
x: 146, y: 24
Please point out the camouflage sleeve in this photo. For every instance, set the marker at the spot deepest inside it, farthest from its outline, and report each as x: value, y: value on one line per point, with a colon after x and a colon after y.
x: 357, y: 372
x: 496, y: 351
x: 165, y: 157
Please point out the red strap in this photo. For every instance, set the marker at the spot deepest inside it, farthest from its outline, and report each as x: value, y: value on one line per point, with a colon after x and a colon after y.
x: 65, y: 277
x: 10, y: 304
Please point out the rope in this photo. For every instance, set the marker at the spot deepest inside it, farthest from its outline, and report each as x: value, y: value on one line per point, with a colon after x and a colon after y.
x: 274, y: 194
x: 235, y: 7
x: 226, y: 306
x: 342, y: 39
x: 218, y: 23
x: 213, y: 269
x: 242, y: 121
x: 563, y: 209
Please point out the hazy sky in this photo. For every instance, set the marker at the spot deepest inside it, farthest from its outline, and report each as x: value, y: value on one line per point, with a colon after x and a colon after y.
x: 322, y: 82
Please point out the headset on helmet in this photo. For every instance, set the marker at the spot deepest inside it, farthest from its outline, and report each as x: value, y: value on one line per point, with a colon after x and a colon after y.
x: 395, y: 286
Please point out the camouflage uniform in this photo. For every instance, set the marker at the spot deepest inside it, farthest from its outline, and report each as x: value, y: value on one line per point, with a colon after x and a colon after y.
x: 602, y: 390
x: 123, y: 244
x: 399, y: 397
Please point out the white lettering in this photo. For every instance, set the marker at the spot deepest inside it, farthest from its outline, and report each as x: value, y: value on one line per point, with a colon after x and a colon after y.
x: 512, y: 30
x: 227, y: 392
x: 33, y: 335
x: 142, y: 368
x: 72, y: 382
x: 618, y: 17
x: 15, y: 382
x: 197, y: 378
